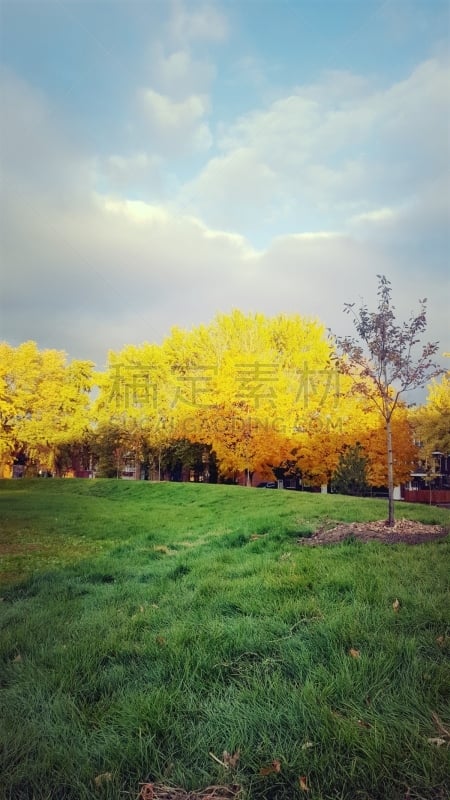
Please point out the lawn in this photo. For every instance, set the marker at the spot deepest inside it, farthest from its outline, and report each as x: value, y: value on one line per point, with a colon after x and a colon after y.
x: 148, y: 628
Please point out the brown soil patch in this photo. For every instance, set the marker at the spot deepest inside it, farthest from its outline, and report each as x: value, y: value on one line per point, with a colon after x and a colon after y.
x: 18, y: 548
x: 405, y: 531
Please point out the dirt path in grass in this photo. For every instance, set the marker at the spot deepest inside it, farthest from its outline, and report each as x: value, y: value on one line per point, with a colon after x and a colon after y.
x: 405, y: 531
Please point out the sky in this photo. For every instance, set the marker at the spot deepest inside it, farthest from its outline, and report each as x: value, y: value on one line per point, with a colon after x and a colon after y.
x: 166, y: 160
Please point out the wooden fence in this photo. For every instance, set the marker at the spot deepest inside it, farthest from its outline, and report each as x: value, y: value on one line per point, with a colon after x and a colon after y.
x: 432, y: 496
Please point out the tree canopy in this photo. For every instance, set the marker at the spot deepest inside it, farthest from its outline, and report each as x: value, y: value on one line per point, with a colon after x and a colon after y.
x: 257, y: 394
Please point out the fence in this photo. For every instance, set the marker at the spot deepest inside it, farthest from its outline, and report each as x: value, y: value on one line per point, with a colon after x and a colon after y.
x: 433, y: 496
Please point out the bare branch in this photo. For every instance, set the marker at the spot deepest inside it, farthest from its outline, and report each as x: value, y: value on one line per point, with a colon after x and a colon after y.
x: 383, y: 360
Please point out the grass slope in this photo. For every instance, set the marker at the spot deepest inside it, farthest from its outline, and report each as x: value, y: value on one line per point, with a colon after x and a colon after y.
x: 146, y: 626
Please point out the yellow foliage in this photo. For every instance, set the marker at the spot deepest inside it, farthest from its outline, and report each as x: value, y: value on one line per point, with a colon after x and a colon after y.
x: 43, y: 402
x: 259, y: 391
x: 431, y: 421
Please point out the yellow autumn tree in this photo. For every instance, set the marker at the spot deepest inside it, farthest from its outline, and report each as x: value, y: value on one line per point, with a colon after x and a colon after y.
x: 44, y: 403
x: 242, y: 385
x: 431, y: 421
x: 347, y: 419
x: 245, y: 382
x: 132, y: 414
x: 373, y: 440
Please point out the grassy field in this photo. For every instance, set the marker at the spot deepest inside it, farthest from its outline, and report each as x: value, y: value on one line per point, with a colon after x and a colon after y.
x: 145, y: 627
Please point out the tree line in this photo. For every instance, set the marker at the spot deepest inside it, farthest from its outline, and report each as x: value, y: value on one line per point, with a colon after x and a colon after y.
x: 245, y: 394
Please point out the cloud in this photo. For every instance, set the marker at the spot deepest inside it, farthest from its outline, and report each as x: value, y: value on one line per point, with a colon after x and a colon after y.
x: 204, y: 22
x: 176, y: 128
x: 423, y: 216
x: 235, y: 186
x: 32, y: 156
x: 178, y: 74
x: 336, y: 148
x: 87, y: 269
x: 138, y: 172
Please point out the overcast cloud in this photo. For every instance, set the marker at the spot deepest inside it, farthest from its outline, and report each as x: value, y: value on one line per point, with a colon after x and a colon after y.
x: 196, y: 195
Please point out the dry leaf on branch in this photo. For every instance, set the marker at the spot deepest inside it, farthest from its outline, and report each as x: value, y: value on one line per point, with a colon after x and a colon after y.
x: 275, y: 766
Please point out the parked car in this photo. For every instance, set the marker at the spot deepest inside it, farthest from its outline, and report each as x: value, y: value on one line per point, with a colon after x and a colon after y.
x: 267, y: 485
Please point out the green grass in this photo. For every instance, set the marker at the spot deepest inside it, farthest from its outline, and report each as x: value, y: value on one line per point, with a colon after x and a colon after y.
x: 143, y: 627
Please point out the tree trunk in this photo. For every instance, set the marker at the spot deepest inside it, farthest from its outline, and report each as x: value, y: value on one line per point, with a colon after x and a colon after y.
x: 390, y: 465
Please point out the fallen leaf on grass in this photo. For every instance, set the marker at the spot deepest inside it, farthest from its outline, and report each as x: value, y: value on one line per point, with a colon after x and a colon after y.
x: 146, y: 792
x: 218, y: 761
x: 303, y: 783
x: 439, y: 725
x: 363, y: 724
x: 102, y: 779
x: 231, y: 760
x: 396, y: 605
x: 275, y: 766
x: 161, y: 641
x: 307, y: 745
x: 158, y: 791
x: 254, y: 537
x: 354, y: 653
x: 17, y: 658
x: 440, y: 640
x: 437, y: 741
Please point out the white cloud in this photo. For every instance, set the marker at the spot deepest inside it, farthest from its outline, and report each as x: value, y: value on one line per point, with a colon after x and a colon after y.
x: 176, y: 128
x: 195, y: 24
x: 30, y: 155
x: 129, y: 173
x: 340, y: 146
x: 424, y: 216
x: 383, y: 215
x: 235, y: 185
x: 180, y: 75
x: 87, y: 271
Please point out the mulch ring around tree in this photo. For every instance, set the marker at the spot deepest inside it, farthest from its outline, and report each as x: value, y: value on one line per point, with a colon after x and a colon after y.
x: 404, y: 531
